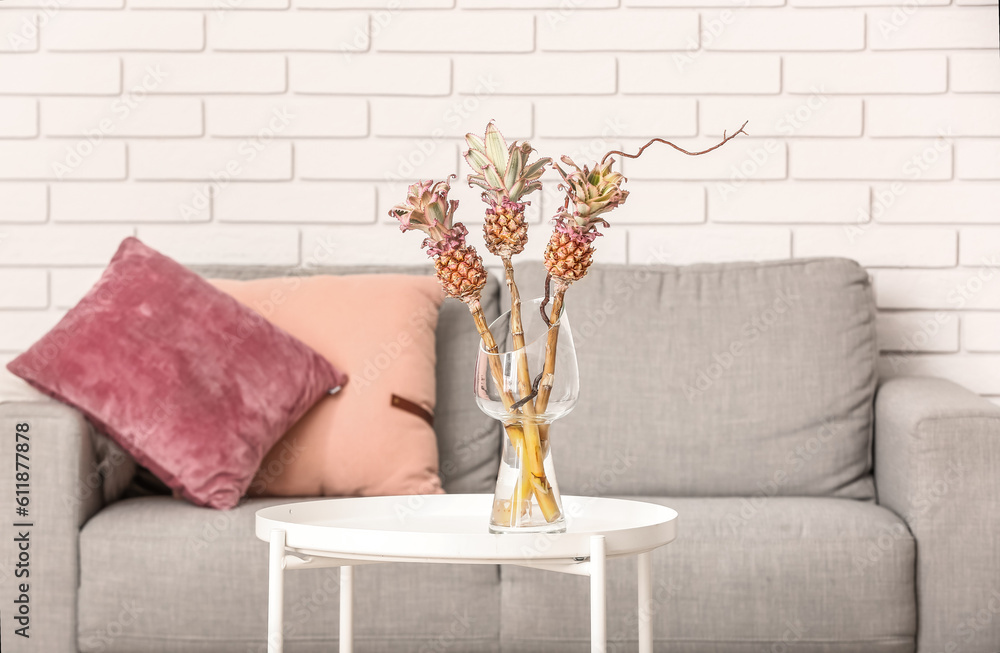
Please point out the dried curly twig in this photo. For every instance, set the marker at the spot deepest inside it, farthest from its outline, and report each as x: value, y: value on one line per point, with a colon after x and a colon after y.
x: 548, y: 290
x: 531, y: 397
x: 725, y: 139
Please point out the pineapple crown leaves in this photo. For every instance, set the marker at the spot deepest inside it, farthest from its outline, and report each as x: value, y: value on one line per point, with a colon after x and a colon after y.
x: 501, y: 170
x: 589, y: 193
x: 572, y: 229
x: 506, y: 205
x: 428, y: 209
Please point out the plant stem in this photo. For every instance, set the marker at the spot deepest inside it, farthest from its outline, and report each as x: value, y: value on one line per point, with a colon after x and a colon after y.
x: 491, y: 347
x: 523, y: 491
x: 549, y: 369
x: 551, y: 343
x: 518, y: 436
x: 518, y: 504
x: 533, y: 458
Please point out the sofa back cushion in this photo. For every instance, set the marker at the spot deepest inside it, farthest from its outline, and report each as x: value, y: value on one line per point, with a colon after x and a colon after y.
x: 468, y: 441
x: 737, y: 379
x: 376, y: 436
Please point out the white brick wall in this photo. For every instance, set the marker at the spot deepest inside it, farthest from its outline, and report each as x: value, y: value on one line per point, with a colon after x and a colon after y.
x: 23, y: 202
x: 864, y: 73
x: 281, y: 131
x: 103, y: 31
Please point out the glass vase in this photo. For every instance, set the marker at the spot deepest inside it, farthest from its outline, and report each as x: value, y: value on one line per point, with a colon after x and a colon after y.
x: 527, y: 388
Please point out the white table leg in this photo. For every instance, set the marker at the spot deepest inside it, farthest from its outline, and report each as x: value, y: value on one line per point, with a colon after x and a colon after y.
x: 598, y: 599
x: 346, y: 609
x: 645, y: 602
x: 276, y: 592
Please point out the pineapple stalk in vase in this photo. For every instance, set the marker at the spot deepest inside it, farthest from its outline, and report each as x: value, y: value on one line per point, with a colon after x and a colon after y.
x: 458, y: 266
x: 570, y: 250
x: 506, y: 175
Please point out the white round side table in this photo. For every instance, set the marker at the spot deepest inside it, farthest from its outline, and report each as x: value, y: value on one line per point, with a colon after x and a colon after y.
x: 453, y: 528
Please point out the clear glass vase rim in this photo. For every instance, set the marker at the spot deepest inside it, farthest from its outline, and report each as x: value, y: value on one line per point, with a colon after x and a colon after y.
x: 545, y: 334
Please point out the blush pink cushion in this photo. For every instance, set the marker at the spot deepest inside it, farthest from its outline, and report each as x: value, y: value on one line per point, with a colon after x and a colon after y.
x: 186, y: 379
x: 379, y: 329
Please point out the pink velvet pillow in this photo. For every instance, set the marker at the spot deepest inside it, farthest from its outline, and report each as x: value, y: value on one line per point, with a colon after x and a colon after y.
x: 375, y: 437
x: 186, y: 379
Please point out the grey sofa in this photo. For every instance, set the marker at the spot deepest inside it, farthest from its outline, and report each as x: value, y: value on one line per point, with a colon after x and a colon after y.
x: 815, y: 514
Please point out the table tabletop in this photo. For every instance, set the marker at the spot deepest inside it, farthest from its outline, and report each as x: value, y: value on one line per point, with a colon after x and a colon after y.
x: 455, y: 528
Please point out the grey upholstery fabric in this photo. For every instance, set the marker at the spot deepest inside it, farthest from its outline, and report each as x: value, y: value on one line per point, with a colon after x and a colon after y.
x: 468, y: 441
x: 66, y: 489
x: 115, y: 466
x: 160, y: 575
x: 719, y: 380
x: 937, y: 463
x: 782, y: 574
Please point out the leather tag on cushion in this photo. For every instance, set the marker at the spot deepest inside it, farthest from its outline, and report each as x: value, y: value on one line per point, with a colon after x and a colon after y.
x: 195, y: 386
x: 379, y: 329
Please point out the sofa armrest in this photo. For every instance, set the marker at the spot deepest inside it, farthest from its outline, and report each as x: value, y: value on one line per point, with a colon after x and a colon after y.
x: 65, y: 490
x: 937, y: 465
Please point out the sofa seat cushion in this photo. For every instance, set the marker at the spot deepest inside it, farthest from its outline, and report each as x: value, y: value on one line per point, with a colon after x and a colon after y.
x: 781, y: 574
x: 159, y: 575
